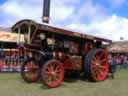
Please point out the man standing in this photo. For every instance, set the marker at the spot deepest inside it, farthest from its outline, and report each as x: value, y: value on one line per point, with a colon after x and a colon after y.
x: 112, y: 67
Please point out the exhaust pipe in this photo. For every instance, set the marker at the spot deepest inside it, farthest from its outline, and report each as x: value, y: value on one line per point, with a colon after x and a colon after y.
x: 46, y: 11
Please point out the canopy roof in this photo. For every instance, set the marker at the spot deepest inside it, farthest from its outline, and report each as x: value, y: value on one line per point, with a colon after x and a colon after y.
x: 49, y: 28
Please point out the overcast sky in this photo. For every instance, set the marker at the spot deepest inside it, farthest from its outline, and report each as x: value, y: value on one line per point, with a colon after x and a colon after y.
x: 104, y: 18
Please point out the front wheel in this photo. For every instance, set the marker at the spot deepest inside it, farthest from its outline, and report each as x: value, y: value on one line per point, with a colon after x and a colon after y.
x: 30, y: 71
x: 52, y: 73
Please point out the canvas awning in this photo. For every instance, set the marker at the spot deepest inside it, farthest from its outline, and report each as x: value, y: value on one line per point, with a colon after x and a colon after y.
x: 118, y: 47
x: 11, y: 37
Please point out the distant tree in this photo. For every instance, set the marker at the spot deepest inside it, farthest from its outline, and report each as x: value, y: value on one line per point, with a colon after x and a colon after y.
x: 121, y: 38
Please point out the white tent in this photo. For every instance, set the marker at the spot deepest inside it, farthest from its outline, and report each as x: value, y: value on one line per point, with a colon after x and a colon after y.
x: 11, y: 37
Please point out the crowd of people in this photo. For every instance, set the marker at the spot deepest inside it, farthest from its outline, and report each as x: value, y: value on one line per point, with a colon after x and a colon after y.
x: 119, y: 60
x: 116, y: 60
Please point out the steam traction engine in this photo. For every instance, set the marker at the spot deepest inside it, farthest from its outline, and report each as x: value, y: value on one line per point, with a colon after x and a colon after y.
x: 53, y: 51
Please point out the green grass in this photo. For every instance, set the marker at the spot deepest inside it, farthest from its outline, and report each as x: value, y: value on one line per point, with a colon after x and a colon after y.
x: 11, y: 84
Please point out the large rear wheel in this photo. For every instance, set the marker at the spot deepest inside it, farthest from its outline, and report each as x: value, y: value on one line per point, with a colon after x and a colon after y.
x: 96, y: 65
x: 52, y: 73
x: 30, y: 71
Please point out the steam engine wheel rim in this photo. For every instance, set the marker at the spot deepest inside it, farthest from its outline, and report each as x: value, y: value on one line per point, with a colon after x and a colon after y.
x: 52, y: 73
x: 30, y: 71
x: 99, y: 65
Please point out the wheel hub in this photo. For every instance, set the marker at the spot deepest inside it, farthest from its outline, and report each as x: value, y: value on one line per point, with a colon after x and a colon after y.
x: 53, y: 73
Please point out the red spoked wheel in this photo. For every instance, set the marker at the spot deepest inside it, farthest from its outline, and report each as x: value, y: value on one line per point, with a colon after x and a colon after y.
x: 96, y: 64
x: 52, y: 73
x: 87, y: 47
x: 30, y: 71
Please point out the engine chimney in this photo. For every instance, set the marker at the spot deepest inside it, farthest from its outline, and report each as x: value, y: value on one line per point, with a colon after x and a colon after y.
x: 46, y: 11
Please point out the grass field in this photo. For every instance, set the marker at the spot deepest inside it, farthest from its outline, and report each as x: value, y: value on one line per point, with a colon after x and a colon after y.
x: 11, y: 84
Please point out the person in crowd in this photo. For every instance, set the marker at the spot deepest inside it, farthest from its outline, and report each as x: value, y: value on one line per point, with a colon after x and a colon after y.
x: 112, y: 66
x: 123, y: 61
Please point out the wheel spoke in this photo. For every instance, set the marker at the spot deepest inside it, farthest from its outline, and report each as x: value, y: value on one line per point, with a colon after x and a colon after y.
x: 51, y: 68
x: 101, y: 56
x: 48, y: 69
x: 54, y: 66
x: 55, y: 78
x: 49, y: 78
x: 47, y: 73
x: 101, y: 75
x: 103, y: 67
x: 95, y: 59
x: 96, y: 74
x: 94, y: 67
x: 57, y: 69
x: 103, y: 60
x: 94, y: 62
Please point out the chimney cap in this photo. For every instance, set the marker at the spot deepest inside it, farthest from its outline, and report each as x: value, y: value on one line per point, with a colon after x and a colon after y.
x: 45, y: 19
